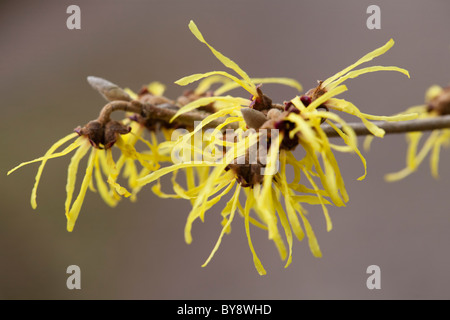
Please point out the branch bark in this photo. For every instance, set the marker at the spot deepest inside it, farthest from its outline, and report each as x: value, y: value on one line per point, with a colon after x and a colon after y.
x: 428, y: 124
x: 167, y: 111
x: 163, y: 112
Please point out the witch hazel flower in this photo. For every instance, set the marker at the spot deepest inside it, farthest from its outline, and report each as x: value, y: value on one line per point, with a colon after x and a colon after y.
x: 273, y: 164
x: 273, y: 199
x: 97, y: 138
x: 437, y: 104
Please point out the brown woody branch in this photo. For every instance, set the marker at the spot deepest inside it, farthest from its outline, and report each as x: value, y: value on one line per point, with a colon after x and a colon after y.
x: 428, y: 124
x: 163, y: 112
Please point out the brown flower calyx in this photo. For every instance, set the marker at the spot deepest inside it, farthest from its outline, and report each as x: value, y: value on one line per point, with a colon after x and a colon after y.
x: 441, y: 103
x: 247, y: 174
x: 263, y: 114
x: 261, y: 102
x: 316, y: 92
x: 285, y: 127
x: 102, y: 135
x: 313, y: 94
x: 275, y: 119
x: 248, y: 168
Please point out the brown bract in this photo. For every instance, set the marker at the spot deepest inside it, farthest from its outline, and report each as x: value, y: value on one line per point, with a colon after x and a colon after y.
x: 316, y: 92
x: 441, y: 103
x: 261, y: 102
x: 102, y: 135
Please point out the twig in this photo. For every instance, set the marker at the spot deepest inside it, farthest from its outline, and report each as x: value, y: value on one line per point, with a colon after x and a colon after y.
x: 105, y: 113
x: 428, y: 124
x: 163, y: 112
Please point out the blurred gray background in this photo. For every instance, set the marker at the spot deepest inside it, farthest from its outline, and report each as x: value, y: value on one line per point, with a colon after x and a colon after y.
x: 137, y: 250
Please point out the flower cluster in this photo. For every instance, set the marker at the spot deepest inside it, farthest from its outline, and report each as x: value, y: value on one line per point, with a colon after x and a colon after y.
x: 437, y: 103
x: 235, y: 148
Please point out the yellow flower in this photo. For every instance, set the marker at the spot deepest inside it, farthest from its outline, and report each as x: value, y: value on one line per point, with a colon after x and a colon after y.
x: 332, y: 86
x: 212, y: 188
x: 317, y: 179
x: 161, y: 151
x: 82, y: 146
x: 100, y: 164
x: 437, y: 103
x: 225, y: 102
x: 251, y: 163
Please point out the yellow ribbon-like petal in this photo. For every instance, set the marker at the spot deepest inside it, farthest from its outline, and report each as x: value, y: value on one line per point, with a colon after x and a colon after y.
x: 226, y: 61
